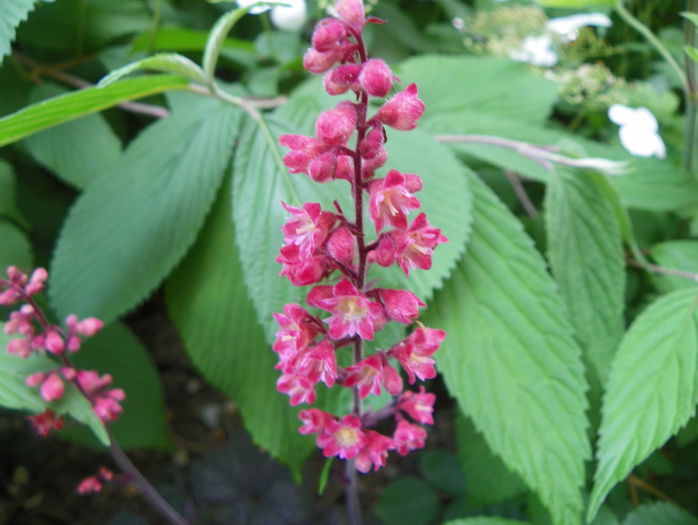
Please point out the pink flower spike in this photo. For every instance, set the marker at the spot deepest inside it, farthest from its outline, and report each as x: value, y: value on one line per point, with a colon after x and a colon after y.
x: 300, y: 389
x: 403, y: 110
x: 376, y: 78
x: 400, y: 305
x: 319, y: 364
x: 408, y: 437
x: 419, y: 406
x: 352, y: 312
x: 343, y: 438
x: 374, y: 453
x: 46, y: 422
x: 336, y: 125
x: 314, y: 421
x: 51, y: 388
x: 414, y: 247
x: 352, y: 12
x: 391, y: 200
x: 89, y: 485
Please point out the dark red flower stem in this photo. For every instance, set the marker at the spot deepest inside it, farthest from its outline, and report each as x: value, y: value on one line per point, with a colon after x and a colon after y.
x: 149, y: 493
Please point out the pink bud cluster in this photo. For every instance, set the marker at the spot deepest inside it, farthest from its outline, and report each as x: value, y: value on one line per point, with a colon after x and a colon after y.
x: 93, y: 484
x: 36, y: 334
x: 321, y: 243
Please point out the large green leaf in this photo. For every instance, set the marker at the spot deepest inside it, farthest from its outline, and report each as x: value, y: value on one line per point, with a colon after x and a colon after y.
x: 659, y: 513
x: 651, y: 391
x: 15, y: 248
x: 510, y: 360
x: 15, y: 394
x: 488, y: 478
x: 11, y: 15
x: 208, y: 301
x: 452, y: 84
x: 61, y: 109
x: 76, y: 150
x: 675, y: 255
x: 116, y: 351
x: 585, y: 248
x: 261, y: 184
x: 135, y: 222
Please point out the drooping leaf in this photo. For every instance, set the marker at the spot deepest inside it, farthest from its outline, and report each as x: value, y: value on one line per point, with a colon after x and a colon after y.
x: 659, y: 513
x: 137, y: 220
x: 115, y: 350
x: 15, y: 394
x: 586, y: 255
x: 61, y: 109
x: 488, y: 478
x: 407, y: 501
x: 261, y: 184
x: 510, y: 360
x: 651, y: 389
x: 15, y: 248
x: 164, y: 63
x: 11, y: 15
x: 208, y: 302
x: 76, y: 150
x: 453, y: 84
x: 675, y: 255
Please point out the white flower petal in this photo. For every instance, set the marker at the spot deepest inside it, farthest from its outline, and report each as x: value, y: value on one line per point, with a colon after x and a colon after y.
x: 536, y: 50
x: 620, y: 114
x: 289, y: 18
x: 642, y: 142
x: 568, y: 26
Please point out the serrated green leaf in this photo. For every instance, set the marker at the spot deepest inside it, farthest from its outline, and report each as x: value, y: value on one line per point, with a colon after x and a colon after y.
x: 488, y: 478
x: 76, y: 150
x: 208, y: 302
x: 15, y: 248
x: 115, y: 350
x: 15, y: 394
x: 61, y: 109
x: 659, y: 513
x: 134, y: 223
x: 261, y: 185
x: 585, y: 249
x: 163, y: 63
x: 486, y: 521
x: 675, y: 255
x: 651, y: 389
x: 510, y: 360
x: 12, y: 13
x: 478, y: 83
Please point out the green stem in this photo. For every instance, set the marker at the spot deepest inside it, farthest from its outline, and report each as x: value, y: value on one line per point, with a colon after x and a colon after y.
x: 641, y: 28
x: 157, y: 13
x: 691, y: 95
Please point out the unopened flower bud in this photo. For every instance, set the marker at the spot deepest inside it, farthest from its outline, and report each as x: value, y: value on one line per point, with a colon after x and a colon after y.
x: 318, y: 62
x: 403, y: 110
x: 341, y: 246
x: 53, y: 342
x: 400, y: 305
x: 352, y: 12
x: 341, y: 79
x: 89, y: 327
x: 376, y: 78
x: 372, y: 144
x: 336, y: 125
x: 329, y: 34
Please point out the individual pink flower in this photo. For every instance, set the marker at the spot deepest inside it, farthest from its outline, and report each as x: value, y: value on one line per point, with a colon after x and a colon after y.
x: 45, y: 422
x: 372, y: 373
x: 403, y: 110
x: 408, y: 437
x: 107, y: 404
x: 314, y: 421
x: 299, y: 389
x: 296, y: 329
x: 303, y: 150
x: 400, y: 305
x: 86, y: 328
x: 307, y: 227
x: 36, y: 282
x: 53, y: 342
x: 392, y: 199
x: 418, y: 405
x: 342, y: 79
x: 412, y: 248
x: 301, y: 270
x: 318, y: 62
x: 372, y: 145
x: 329, y: 34
x: 336, y: 125
x: 374, y: 453
x: 352, y: 12
x: 414, y: 353
x: 343, y: 438
x: 319, y: 363
x: 376, y: 78
x: 352, y: 312
x: 50, y: 385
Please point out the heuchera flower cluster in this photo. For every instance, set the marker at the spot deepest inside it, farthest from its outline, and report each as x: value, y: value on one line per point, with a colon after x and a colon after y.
x: 319, y: 244
x: 36, y: 334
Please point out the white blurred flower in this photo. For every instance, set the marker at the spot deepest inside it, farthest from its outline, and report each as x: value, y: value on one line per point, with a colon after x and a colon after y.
x: 638, y: 131
x: 568, y: 26
x: 254, y: 10
x: 536, y: 50
x: 289, y: 18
